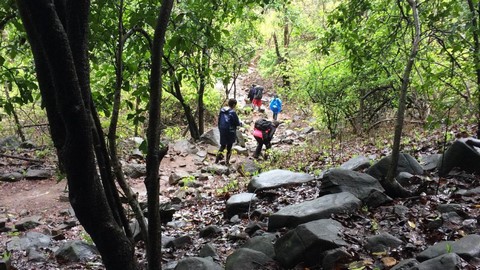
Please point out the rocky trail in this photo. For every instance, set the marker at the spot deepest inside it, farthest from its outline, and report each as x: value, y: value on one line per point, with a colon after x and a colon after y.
x: 247, y: 216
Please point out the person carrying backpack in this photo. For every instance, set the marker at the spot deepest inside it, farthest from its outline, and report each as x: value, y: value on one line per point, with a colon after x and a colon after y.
x: 263, y: 133
x: 227, y: 125
x: 257, y: 97
x: 251, y: 93
x: 275, y: 106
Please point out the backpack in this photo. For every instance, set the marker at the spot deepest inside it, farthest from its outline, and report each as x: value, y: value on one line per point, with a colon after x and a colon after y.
x: 275, y: 105
x: 263, y: 124
x: 225, y: 119
x: 258, y: 93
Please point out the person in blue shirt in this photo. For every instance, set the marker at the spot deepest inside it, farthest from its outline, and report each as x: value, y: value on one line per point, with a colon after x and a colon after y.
x: 275, y: 106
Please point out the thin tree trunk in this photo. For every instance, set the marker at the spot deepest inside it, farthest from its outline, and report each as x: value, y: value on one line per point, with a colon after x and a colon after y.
x: 18, y: 126
x: 155, y: 153
x: 476, y: 54
x: 390, y: 178
x: 51, y: 44
x: 112, y: 133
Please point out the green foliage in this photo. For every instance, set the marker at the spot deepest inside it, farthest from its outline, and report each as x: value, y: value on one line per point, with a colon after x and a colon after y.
x: 86, y: 237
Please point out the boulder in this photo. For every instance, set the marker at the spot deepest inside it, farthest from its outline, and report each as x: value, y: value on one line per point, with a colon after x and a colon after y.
x: 382, y: 242
x: 180, y: 242
x: 75, y: 251
x: 197, y: 263
x: 460, y: 155
x: 406, y: 265
x: 430, y: 162
x: 30, y: 240
x: 208, y: 250
x: 362, y: 185
x: 263, y: 243
x: 240, y: 203
x: 323, y: 207
x: 356, y: 163
x: 467, y: 247
x: 210, y: 231
x: 135, y: 170
x: 11, y: 177
x: 217, y: 169
x: 277, y: 178
x: 28, y: 223
x: 248, y: 168
x: 245, y: 258
x: 212, y: 137
x: 175, y: 177
x: 406, y: 163
x: 333, y: 257
x: 449, y: 261
x: 307, y: 241
x: 34, y: 174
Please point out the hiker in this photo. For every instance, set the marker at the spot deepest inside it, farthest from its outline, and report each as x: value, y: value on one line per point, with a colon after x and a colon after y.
x: 263, y: 133
x: 251, y: 94
x: 227, y: 125
x: 275, y: 106
x: 257, y: 97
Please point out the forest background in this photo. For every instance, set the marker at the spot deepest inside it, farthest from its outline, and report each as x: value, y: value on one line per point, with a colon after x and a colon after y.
x: 355, y: 65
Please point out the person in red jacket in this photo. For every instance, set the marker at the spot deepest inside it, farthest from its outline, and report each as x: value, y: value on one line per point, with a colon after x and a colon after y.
x: 263, y: 134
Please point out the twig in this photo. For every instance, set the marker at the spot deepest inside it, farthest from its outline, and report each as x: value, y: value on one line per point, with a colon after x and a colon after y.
x: 22, y: 158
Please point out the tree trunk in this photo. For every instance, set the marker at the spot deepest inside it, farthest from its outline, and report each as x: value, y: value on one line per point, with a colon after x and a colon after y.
x: 177, y: 93
x: 476, y: 54
x: 62, y: 63
x: 155, y: 153
x: 390, y: 180
x: 201, y: 90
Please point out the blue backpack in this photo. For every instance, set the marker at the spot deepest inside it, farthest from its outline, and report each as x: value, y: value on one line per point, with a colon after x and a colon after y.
x: 225, y: 119
x: 276, y: 106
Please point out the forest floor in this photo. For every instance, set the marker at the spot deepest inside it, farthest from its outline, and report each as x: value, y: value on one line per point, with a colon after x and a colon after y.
x: 49, y: 199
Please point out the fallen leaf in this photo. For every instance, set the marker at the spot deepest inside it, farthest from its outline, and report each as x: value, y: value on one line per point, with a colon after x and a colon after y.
x: 412, y: 224
x: 389, y: 261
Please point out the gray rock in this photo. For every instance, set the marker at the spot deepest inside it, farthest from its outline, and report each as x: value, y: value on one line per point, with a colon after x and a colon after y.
x: 76, y: 251
x: 404, y: 178
x: 217, y: 169
x: 180, y: 242
x: 33, y: 174
x: 429, y: 163
x: 277, y: 178
x: 175, y: 177
x: 307, y: 130
x: 28, y: 223
x: 11, y: 177
x: 244, y: 258
x: 197, y: 263
x: 184, y: 146
x: 30, y: 240
x: 240, y: 203
x: 248, y: 168
x: 210, y: 231
x: 449, y: 261
x: 470, y: 192
x: 135, y: 170
x: 356, y: 163
x: 362, y: 185
x: 34, y: 255
x: 335, y: 256
x: 262, y: 243
x: 307, y: 241
x: 208, y: 250
x: 467, y: 247
x: 460, y: 155
x: 406, y: 265
x: 382, y: 242
x: 323, y: 207
x: 240, y: 150
x: 212, y: 137
x: 406, y: 163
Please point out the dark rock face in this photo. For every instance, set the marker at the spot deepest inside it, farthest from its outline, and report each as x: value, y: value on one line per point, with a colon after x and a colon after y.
x: 75, y: 251
x: 240, y: 203
x: 245, y: 258
x: 467, y: 247
x: 356, y: 163
x: 460, y: 155
x: 197, y: 263
x: 306, y: 242
x: 406, y: 163
x: 382, y: 242
x: 323, y: 207
x: 362, y: 185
